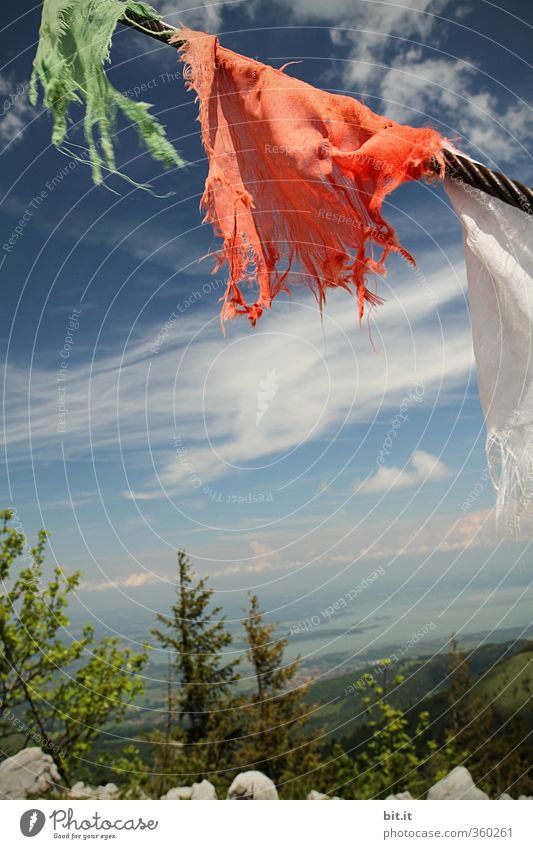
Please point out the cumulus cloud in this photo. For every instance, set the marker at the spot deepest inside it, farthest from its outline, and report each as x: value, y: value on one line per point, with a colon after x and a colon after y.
x: 200, y: 15
x: 263, y: 558
x: 374, y: 31
x: 15, y: 109
x: 417, y: 86
x: 420, y: 83
x: 422, y: 468
x: 439, y: 533
x: 402, y: 53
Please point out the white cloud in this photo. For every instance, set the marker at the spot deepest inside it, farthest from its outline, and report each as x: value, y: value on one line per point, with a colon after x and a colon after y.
x: 133, y: 580
x: 393, y: 16
x: 15, y: 109
x: 186, y: 417
x: 444, y: 90
x: 374, y: 29
x: 393, y: 53
x: 418, y: 86
x: 263, y: 559
x: 440, y: 533
x: 200, y: 15
x: 423, y: 467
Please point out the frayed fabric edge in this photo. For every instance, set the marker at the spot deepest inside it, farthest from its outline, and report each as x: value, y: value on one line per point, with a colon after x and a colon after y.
x: 510, y: 465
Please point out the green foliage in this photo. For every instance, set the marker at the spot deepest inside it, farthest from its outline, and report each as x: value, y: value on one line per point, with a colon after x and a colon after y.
x: 201, y: 720
x: 54, y: 691
x: 508, y: 687
x: 127, y: 770
x: 275, y: 713
x: 491, y: 720
x: 391, y: 761
x: 63, y: 694
x: 74, y: 44
x: 464, y: 717
x: 210, y: 731
x: 197, y: 639
x: 336, y: 775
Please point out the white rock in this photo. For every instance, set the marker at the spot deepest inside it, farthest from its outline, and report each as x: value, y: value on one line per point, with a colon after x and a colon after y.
x: 111, y: 788
x: 107, y: 791
x: 203, y: 790
x: 505, y: 797
x: 399, y: 796
x: 253, y: 785
x: 80, y: 790
x: 524, y: 797
x: 178, y: 793
x: 77, y: 789
x: 29, y: 772
x: 315, y: 796
x: 458, y: 784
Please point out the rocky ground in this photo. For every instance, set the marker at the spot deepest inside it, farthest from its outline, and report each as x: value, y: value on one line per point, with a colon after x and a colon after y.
x: 32, y: 773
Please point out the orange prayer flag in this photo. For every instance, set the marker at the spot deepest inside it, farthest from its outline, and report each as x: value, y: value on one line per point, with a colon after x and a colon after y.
x: 297, y: 178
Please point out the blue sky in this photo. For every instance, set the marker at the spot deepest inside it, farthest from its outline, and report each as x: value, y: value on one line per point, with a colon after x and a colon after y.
x: 266, y: 453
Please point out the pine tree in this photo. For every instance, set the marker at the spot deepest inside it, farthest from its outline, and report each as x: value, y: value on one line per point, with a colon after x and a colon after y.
x: 201, y: 725
x: 197, y: 638
x: 471, y: 719
x: 166, y: 750
x: 460, y: 684
x: 276, y: 711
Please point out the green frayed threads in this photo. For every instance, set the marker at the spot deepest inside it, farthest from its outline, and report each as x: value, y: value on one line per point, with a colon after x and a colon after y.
x: 74, y: 45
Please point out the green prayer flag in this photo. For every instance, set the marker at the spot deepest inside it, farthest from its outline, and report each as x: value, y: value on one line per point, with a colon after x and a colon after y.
x: 74, y: 45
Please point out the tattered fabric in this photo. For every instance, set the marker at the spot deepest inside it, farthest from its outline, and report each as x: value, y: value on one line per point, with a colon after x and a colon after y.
x: 297, y: 178
x: 498, y: 242
x: 74, y: 43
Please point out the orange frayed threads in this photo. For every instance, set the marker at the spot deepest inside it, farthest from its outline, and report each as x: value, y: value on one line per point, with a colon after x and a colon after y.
x: 297, y: 179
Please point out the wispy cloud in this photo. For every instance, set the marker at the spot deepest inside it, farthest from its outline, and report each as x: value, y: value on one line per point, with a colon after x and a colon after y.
x: 131, y: 581
x: 263, y: 558
x: 187, y: 415
x: 423, y: 467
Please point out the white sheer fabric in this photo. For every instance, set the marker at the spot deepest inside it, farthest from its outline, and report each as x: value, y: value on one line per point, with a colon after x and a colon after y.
x: 498, y: 242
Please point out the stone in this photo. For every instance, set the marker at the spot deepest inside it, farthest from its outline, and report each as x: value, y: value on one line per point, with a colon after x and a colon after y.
x: 505, y: 797
x: 315, y: 796
x: 458, y: 784
x: 252, y: 785
x: 77, y: 790
x: 80, y: 790
x: 178, y: 793
x: 203, y: 790
x: 28, y: 773
x: 399, y: 796
x: 107, y: 791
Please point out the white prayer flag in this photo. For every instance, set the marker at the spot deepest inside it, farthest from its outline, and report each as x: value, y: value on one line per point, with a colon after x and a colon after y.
x: 498, y: 241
